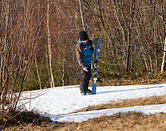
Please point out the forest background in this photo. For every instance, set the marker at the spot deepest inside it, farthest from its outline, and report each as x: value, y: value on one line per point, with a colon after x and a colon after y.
x: 38, y: 39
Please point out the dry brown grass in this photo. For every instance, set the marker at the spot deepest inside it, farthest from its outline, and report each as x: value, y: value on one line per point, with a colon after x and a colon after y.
x: 140, y: 81
x: 14, y: 118
x: 133, y: 79
x: 130, y: 121
x: 128, y: 103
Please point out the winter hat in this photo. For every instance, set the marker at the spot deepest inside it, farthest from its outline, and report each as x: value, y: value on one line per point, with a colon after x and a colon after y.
x: 83, y: 35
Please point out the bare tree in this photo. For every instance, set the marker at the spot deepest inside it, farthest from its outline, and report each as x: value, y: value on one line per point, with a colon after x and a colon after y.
x: 37, y: 70
x: 164, y: 55
x: 122, y: 31
x: 82, y: 16
x: 49, y: 45
x: 19, y: 38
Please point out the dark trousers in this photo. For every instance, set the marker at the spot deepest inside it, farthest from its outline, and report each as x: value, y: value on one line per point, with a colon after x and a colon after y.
x: 85, y: 79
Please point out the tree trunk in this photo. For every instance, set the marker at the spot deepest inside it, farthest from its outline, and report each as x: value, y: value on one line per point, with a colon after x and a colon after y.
x: 122, y: 31
x: 164, y: 54
x: 52, y: 84
x: 38, y: 75
x: 82, y: 16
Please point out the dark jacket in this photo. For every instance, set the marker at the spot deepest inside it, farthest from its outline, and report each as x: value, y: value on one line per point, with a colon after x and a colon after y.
x: 84, y: 53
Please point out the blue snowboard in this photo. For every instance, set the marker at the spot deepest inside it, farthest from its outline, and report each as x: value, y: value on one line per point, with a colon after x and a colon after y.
x: 94, y: 80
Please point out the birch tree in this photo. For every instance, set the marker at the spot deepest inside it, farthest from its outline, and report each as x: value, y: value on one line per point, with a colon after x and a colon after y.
x: 82, y: 16
x: 52, y: 84
x: 164, y: 55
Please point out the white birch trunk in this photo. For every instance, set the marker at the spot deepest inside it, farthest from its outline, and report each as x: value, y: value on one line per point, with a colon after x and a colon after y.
x: 49, y: 46
x: 38, y: 75
x: 164, y: 54
x: 82, y: 17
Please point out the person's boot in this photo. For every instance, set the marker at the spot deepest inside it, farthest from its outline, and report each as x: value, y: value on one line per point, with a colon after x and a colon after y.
x: 88, y: 91
x: 83, y: 93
